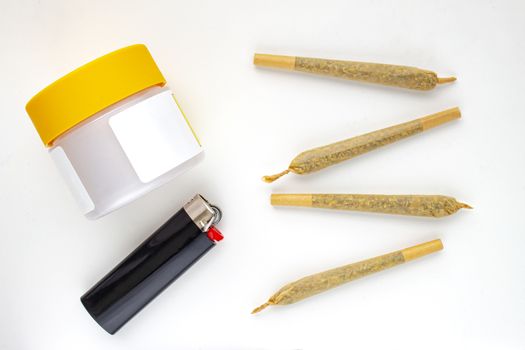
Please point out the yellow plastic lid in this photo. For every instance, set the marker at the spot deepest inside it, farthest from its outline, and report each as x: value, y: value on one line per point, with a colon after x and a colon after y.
x: 91, y: 88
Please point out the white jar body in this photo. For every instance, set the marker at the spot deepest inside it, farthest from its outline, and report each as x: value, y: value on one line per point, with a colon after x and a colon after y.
x: 125, y: 151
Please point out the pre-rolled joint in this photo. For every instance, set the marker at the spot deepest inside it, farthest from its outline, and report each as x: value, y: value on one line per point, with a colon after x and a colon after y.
x: 295, y: 200
x: 274, y: 61
x: 422, y: 249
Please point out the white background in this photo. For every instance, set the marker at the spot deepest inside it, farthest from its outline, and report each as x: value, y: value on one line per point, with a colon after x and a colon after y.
x: 253, y: 122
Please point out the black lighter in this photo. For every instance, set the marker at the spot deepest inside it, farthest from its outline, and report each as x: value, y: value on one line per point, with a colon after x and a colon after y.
x: 154, y: 265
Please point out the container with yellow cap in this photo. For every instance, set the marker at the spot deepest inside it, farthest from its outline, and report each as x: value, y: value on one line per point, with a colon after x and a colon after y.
x: 114, y: 130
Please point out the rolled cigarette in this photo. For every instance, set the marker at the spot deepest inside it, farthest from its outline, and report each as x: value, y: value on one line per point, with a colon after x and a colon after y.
x: 416, y: 205
x: 319, y: 158
x: 323, y: 281
x: 378, y: 73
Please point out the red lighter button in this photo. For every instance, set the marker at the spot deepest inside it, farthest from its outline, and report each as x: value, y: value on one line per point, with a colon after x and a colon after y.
x: 214, y: 234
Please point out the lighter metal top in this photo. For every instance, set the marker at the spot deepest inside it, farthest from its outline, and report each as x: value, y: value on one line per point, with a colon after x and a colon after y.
x: 202, y: 213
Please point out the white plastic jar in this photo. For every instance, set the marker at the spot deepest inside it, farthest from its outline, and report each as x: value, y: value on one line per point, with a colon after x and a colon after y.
x: 114, y: 130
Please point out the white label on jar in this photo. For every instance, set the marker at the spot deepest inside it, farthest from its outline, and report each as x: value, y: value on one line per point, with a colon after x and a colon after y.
x: 155, y: 136
x: 73, y: 181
